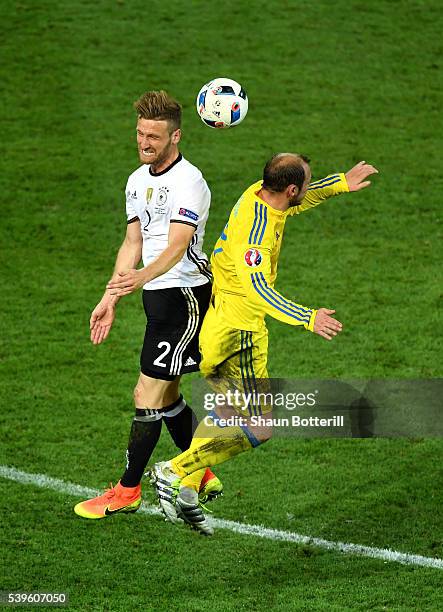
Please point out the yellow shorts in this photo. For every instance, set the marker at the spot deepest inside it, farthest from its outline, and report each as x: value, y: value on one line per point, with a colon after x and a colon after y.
x: 234, y: 358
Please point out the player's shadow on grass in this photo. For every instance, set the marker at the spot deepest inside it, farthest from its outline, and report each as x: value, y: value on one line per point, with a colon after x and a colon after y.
x: 362, y: 416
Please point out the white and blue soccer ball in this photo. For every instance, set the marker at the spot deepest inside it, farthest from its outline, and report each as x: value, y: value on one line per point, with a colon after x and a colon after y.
x: 222, y: 103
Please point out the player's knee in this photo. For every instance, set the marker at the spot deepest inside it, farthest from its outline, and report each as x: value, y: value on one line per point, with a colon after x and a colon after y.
x: 139, y: 395
x: 155, y: 393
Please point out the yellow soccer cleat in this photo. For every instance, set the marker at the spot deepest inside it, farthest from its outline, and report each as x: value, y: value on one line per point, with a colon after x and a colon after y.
x: 115, y: 499
x: 210, y: 487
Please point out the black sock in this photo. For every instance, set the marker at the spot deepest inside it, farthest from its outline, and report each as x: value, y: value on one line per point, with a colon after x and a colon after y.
x: 144, y: 435
x: 182, y: 427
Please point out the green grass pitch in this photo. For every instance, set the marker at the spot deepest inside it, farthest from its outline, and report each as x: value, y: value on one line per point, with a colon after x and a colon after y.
x: 340, y: 81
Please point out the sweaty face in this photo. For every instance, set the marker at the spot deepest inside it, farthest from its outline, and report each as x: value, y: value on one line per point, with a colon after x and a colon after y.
x: 296, y: 200
x: 154, y: 141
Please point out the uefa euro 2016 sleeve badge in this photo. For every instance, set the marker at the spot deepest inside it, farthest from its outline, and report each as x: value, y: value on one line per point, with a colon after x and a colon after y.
x: 253, y: 258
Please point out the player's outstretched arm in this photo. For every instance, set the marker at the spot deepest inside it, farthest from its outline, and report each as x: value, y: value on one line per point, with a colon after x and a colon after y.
x: 333, y: 185
x: 326, y: 326
x: 356, y: 176
x: 129, y: 255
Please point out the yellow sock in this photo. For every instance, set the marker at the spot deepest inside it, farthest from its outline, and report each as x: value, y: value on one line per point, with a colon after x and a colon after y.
x: 210, y: 446
x: 193, y: 480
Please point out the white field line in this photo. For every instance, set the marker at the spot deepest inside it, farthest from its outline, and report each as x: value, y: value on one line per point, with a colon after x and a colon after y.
x: 68, y: 488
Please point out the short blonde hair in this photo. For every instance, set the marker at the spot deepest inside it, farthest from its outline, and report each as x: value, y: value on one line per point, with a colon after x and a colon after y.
x: 158, y: 105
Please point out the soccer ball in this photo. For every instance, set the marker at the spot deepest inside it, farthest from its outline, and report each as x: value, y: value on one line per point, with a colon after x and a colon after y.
x: 222, y: 103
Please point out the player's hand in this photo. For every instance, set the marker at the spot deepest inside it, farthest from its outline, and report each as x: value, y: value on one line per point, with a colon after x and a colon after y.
x: 101, y: 321
x: 127, y: 282
x: 325, y: 325
x: 357, y: 175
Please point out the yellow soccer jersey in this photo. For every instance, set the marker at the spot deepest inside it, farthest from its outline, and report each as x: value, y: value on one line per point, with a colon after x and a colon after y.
x: 245, y: 258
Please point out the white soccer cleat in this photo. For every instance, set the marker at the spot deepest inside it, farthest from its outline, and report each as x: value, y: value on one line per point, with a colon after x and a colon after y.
x: 189, y: 509
x: 166, y: 484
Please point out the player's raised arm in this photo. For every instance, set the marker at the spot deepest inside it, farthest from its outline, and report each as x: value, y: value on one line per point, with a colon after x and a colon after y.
x: 333, y: 185
x: 320, y: 191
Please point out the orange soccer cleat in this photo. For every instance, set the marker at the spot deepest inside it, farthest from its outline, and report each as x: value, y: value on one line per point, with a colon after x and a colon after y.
x: 115, y: 499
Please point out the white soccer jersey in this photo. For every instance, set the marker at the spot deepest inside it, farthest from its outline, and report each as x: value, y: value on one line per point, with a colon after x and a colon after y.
x: 179, y: 194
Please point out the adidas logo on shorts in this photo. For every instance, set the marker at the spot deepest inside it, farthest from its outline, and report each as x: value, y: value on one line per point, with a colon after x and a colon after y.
x: 190, y: 361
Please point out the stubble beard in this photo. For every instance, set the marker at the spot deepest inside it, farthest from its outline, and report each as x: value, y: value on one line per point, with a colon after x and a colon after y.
x: 294, y: 202
x: 158, y: 159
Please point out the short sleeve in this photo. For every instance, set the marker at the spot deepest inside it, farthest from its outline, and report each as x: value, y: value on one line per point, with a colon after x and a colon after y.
x: 131, y: 213
x: 192, y: 203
